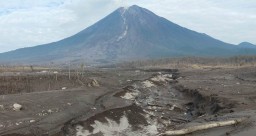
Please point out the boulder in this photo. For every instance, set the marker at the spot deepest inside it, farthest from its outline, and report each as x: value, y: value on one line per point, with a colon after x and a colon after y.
x: 17, y: 107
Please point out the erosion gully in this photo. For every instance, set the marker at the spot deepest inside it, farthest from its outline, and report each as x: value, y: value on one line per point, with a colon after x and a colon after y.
x: 146, y: 107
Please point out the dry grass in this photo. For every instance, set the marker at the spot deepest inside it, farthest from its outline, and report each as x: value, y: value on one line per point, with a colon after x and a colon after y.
x: 194, y: 63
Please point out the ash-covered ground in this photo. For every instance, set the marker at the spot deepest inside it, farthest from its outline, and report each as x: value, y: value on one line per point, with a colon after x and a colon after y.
x: 124, y: 102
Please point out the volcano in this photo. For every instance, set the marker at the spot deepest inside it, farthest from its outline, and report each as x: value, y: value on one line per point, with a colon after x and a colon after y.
x: 131, y: 33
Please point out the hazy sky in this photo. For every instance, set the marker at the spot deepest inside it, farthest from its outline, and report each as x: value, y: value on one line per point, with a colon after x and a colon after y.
x: 26, y: 23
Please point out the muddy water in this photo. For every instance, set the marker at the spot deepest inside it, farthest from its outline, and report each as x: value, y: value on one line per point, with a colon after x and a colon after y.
x: 155, y: 104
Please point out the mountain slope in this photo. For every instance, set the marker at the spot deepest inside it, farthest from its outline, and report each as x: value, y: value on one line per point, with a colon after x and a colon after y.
x: 247, y: 45
x: 126, y: 34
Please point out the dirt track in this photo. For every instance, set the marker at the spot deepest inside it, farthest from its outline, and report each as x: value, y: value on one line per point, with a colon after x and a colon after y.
x: 130, y: 102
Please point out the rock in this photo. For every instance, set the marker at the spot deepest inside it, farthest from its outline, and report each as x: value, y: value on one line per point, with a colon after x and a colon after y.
x: 130, y: 95
x: 1, y: 107
x: 64, y: 88
x: 32, y: 121
x: 162, y: 78
x: 40, y: 114
x: 50, y: 111
x: 17, y: 107
x: 94, y: 83
x: 147, y: 84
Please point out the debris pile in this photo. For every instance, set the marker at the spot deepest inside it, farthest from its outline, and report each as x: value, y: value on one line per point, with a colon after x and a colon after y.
x: 94, y: 83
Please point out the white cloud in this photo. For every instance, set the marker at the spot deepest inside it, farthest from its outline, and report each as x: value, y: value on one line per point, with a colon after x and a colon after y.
x: 33, y: 22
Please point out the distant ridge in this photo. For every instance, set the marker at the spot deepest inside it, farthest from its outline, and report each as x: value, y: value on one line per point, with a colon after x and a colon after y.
x: 247, y: 45
x: 126, y: 34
